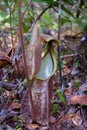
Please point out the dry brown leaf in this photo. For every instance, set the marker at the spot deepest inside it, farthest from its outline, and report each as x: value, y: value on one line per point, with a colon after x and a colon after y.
x: 15, y: 105
x: 2, y: 117
x: 4, y: 59
x: 83, y: 87
x: 79, y: 99
x: 6, y: 93
x: 68, y: 91
x: 66, y: 117
x: 19, y: 69
x: 43, y: 128
x: 52, y: 119
x: 32, y: 126
x: 77, y: 120
x: 15, y: 118
x: 66, y: 70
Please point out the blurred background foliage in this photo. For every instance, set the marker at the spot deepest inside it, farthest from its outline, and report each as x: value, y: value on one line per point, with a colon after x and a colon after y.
x: 74, y: 12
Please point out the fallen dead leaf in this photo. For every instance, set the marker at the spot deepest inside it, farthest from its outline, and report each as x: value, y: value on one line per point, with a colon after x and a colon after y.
x: 32, y: 126
x: 83, y: 87
x: 15, y: 118
x: 66, y: 70
x: 78, y: 99
x: 6, y: 93
x: 77, y: 120
x: 15, y: 105
x: 68, y: 91
x: 66, y: 117
x: 2, y: 117
x: 52, y: 119
x: 19, y: 67
x: 4, y: 59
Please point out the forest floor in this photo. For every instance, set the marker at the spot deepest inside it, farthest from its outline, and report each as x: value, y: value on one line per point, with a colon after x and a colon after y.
x: 69, y: 109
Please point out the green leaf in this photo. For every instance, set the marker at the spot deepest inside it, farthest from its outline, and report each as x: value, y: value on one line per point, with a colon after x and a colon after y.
x: 80, y: 22
x: 52, y: 2
x: 76, y: 84
x: 60, y: 96
x: 68, y: 1
x: 54, y: 108
x: 25, y: 82
x: 64, y: 20
x: 77, y: 64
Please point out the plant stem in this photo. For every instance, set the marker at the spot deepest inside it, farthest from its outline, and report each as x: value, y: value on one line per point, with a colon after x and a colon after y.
x: 10, y: 8
x: 24, y: 57
x: 59, y: 59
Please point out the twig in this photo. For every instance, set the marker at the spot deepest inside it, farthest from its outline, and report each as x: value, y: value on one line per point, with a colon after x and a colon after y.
x: 10, y: 8
x: 24, y: 57
x: 59, y: 17
x: 33, y: 24
x: 59, y: 60
x: 83, y: 115
x: 70, y: 55
x: 26, y: 8
x: 8, y: 86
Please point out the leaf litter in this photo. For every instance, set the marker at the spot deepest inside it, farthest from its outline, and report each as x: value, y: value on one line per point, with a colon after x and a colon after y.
x: 68, y: 114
